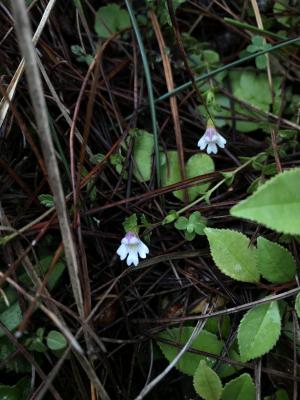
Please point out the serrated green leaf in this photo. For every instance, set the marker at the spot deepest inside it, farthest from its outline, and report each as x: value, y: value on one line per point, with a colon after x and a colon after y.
x: 233, y: 254
x: 207, y: 383
x: 297, y: 305
x: 275, y: 204
x: 111, y: 19
x: 259, y: 331
x: 240, y: 388
x: 56, y: 340
x: 142, y: 154
x: 275, y: 262
x: 189, y: 362
x: 11, y: 317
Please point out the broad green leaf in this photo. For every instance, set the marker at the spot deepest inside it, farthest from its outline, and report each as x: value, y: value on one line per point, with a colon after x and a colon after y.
x: 297, y: 305
x: 233, y: 254
x: 207, y: 383
x: 274, y: 262
x: 281, y: 394
x: 111, y: 19
x: 189, y: 362
x: 142, y: 154
x: 11, y: 317
x: 56, y: 340
x: 275, y: 204
x: 170, y: 172
x: 240, y: 388
x: 259, y: 331
x: 20, y: 391
x: 198, y: 164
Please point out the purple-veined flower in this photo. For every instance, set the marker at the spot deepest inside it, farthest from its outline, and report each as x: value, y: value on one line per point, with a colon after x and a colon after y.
x: 133, y: 247
x: 211, y: 139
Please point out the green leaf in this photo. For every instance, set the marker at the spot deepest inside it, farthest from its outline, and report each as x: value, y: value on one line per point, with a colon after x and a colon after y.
x: 189, y: 362
x: 240, y: 388
x: 111, y: 19
x: 189, y: 235
x: 275, y: 262
x: 233, y: 254
x: 219, y: 325
x: 143, y: 149
x: 275, y: 204
x: 297, y: 305
x: 35, y: 344
x: 56, y: 340
x: 207, y: 383
x: 11, y: 317
x: 17, y: 363
x: 198, y: 221
x: 259, y: 331
x: 57, y: 272
x: 181, y: 223
x: 198, y: 164
x: 130, y: 224
x: 20, y: 391
x: 170, y: 172
x: 171, y: 217
x: 226, y: 370
x: 46, y: 200
x: 281, y: 394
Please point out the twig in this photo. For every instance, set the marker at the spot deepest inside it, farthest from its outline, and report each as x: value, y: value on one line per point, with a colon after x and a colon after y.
x: 23, y: 30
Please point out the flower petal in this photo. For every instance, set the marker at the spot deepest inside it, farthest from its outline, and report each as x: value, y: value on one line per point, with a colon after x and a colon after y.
x: 202, y: 143
x: 221, y: 141
x: 212, y: 148
x: 133, y: 258
x: 143, y: 250
x: 122, y: 251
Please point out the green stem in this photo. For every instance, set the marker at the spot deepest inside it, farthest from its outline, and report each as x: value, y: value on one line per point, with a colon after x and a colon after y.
x: 225, y: 67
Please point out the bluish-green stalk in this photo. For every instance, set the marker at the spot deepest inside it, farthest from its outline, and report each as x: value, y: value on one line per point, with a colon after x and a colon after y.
x: 149, y: 88
x: 225, y: 67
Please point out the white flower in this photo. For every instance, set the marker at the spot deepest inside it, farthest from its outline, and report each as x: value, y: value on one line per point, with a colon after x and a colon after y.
x: 133, y: 247
x: 211, y: 139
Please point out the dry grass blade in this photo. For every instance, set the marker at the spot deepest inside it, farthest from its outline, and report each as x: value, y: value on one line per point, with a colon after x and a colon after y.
x: 36, y: 91
x: 11, y: 89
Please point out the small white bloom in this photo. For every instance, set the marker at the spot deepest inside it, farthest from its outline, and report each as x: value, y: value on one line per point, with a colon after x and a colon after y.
x: 133, y: 247
x: 211, y: 139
